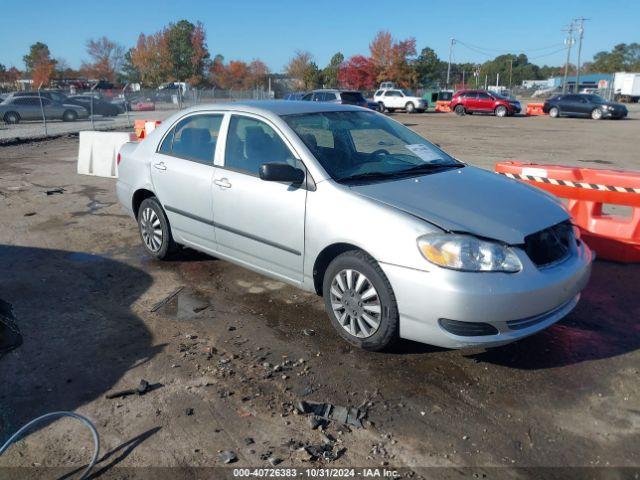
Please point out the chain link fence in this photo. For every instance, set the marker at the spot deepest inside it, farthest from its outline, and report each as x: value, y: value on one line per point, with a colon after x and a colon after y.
x: 109, y: 109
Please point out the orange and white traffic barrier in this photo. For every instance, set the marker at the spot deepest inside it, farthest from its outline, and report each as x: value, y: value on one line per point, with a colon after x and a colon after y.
x: 143, y: 128
x: 534, y: 109
x: 613, y: 237
x: 443, y: 106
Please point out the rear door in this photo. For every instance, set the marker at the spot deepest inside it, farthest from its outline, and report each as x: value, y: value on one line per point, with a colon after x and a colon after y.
x: 182, y: 172
x: 570, y: 104
x: 258, y: 223
x: 28, y: 108
x: 393, y: 99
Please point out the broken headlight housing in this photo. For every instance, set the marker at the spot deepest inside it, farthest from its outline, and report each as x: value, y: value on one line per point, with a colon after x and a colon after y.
x: 468, y: 253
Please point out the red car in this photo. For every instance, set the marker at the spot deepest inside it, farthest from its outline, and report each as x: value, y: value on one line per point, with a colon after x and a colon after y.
x: 470, y: 101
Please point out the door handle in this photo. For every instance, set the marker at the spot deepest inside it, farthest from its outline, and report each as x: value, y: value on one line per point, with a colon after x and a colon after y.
x: 223, y: 183
x: 160, y: 166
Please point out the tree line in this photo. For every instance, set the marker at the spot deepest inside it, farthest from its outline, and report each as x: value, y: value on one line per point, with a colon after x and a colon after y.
x: 179, y: 52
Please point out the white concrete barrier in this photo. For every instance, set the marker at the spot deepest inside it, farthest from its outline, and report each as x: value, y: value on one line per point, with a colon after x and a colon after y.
x: 98, y: 152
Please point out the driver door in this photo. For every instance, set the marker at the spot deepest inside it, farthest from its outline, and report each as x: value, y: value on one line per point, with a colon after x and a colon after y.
x: 257, y: 223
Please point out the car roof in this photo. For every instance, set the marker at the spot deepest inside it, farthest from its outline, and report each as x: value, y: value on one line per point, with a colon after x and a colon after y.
x: 277, y: 107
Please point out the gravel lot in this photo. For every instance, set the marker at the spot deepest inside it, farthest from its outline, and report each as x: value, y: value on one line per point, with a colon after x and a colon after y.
x: 233, y: 352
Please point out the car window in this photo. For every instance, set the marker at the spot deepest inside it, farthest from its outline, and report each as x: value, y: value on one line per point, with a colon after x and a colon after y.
x: 307, y: 97
x: 484, y: 96
x: 250, y: 143
x: 393, y: 93
x: 378, y: 93
x: 365, y: 143
x: 352, y: 97
x: 193, y: 138
x: 27, y: 101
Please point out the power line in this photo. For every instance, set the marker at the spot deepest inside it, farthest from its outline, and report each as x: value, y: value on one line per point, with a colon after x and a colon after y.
x: 484, y: 50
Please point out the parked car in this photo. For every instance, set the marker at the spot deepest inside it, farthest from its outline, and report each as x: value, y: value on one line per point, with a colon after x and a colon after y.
x: 482, y: 101
x: 579, y: 105
x: 345, y: 97
x: 100, y: 107
x: 17, y: 108
x: 397, y: 99
x: 400, y: 239
x: 55, y: 95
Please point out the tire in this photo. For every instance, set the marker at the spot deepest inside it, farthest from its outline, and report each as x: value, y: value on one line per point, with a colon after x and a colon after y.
x: 410, y: 107
x: 460, y: 110
x: 12, y: 117
x: 381, y: 107
x: 501, y: 111
x: 151, y: 222
x: 554, y: 112
x: 596, y: 114
x: 370, y: 323
x: 69, y: 116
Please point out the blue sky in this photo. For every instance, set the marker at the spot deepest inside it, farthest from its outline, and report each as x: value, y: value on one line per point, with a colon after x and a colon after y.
x: 273, y: 30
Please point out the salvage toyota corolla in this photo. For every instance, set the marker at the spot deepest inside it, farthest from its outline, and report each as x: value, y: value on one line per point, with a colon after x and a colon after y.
x: 400, y: 239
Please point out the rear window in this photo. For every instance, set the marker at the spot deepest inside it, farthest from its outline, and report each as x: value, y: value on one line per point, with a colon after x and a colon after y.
x: 352, y: 97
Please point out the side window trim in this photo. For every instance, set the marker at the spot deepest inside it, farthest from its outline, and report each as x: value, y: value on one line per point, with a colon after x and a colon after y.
x: 171, y: 131
x: 220, y: 162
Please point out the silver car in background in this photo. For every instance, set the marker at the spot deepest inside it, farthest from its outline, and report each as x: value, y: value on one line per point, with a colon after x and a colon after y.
x: 15, y: 109
x: 400, y: 239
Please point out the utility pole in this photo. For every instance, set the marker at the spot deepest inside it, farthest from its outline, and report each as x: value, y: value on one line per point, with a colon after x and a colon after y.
x: 580, y: 22
x: 510, y: 72
x: 569, y: 42
x: 453, y: 42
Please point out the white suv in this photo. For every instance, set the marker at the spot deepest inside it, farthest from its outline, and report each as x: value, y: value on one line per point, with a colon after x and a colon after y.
x: 392, y: 99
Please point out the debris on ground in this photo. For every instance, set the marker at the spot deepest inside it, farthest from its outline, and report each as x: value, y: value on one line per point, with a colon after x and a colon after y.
x: 309, y: 332
x: 189, y: 411
x: 227, y: 456
x: 142, y: 388
x: 166, y: 299
x: 55, y: 191
x: 10, y: 336
x: 347, y: 415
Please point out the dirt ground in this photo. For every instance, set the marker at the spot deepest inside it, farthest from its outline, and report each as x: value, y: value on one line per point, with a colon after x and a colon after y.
x: 232, y: 353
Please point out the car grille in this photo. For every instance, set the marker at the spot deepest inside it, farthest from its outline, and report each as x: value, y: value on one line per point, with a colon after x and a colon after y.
x: 550, y: 245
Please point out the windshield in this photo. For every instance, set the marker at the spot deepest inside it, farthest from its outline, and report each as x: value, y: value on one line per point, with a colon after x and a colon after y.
x: 353, y: 145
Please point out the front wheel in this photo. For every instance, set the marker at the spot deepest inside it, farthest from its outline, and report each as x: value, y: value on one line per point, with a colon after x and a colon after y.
x: 410, y: 107
x: 554, y: 112
x: 381, y: 107
x: 360, y: 301
x: 12, y: 117
x: 69, y: 116
x: 459, y: 110
x: 154, y: 229
x: 501, y: 111
x: 596, y: 114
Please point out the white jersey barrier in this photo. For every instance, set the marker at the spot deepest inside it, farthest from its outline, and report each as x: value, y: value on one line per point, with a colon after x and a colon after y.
x: 98, y: 152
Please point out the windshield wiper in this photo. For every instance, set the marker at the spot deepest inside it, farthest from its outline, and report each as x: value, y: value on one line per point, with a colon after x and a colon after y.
x: 425, y: 167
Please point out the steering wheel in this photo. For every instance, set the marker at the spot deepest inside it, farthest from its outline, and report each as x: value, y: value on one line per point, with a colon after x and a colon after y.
x: 380, y: 151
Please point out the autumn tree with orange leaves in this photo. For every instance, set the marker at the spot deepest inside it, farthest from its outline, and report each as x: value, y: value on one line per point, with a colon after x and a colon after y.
x: 106, y: 59
x: 39, y: 64
x: 389, y: 60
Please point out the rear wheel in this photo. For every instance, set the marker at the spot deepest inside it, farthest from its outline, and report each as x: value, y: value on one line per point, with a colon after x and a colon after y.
x: 381, y: 107
x: 554, y: 112
x: 12, y: 117
x: 360, y: 301
x: 501, y: 111
x: 459, y: 110
x: 410, y: 107
x: 596, y: 114
x: 154, y: 229
x: 69, y: 116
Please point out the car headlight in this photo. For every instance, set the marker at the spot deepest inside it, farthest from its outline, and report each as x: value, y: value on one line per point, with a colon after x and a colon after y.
x: 468, y: 253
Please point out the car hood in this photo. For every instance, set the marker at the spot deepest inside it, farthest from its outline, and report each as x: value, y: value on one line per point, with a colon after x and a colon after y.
x: 471, y: 200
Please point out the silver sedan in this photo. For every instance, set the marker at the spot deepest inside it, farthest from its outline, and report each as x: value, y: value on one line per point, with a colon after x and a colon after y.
x: 15, y: 109
x: 401, y: 239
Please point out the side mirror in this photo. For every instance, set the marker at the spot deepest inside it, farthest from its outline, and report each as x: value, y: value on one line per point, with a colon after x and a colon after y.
x: 281, y: 172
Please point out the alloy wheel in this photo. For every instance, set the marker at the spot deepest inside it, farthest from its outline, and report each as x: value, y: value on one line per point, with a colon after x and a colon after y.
x: 596, y: 114
x: 501, y: 111
x: 151, y: 229
x: 355, y: 303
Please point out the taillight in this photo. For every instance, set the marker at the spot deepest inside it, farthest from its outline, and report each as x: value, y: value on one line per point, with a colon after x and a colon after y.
x: 118, y: 158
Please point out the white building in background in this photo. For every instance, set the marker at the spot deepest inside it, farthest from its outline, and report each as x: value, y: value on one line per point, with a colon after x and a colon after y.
x: 537, y: 83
